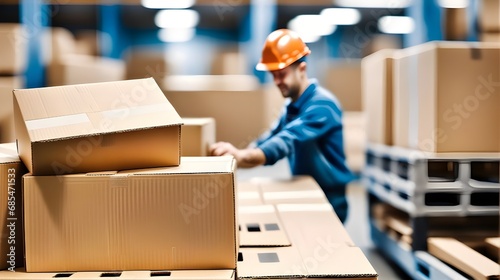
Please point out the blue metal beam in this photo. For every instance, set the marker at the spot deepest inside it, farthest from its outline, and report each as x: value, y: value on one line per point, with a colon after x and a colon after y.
x: 35, y: 16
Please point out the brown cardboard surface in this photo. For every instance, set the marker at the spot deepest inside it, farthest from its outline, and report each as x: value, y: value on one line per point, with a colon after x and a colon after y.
x: 355, y: 139
x: 197, y: 134
x: 455, y: 24
x: 222, y: 274
x: 343, y: 79
x: 261, y: 227
x: 298, y: 189
x: 13, y: 48
x: 11, y: 210
x: 12, y: 81
x: 142, y: 62
x: 241, y: 108
x: 229, y: 62
x: 180, y: 217
x: 312, y: 225
x: 377, y: 90
x: 6, y: 115
x: 443, y: 108
x: 249, y: 194
x: 489, y: 16
x: 489, y: 37
x: 79, y: 69
x: 95, y: 127
x: 463, y: 257
x: 289, y: 263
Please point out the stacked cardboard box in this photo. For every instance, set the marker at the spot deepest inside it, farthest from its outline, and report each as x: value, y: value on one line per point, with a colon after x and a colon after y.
x: 489, y: 21
x: 13, y: 53
x: 108, y: 189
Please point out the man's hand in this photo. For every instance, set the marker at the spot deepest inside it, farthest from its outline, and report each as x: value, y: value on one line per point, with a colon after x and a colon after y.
x: 244, y: 157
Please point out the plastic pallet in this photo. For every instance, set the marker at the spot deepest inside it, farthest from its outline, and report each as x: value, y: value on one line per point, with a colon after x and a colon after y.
x: 410, y: 188
x: 425, y: 171
x: 430, y: 268
x: 436, y: 202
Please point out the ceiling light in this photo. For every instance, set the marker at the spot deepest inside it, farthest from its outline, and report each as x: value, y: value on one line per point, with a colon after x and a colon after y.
x: 170, y: 35
x: 453, y: 4
x: 167, y: 4
x: 177, y: 18
x: 311, y: 26
x: 341, y: 16
x: 390, y: 4
x: 396, y: 25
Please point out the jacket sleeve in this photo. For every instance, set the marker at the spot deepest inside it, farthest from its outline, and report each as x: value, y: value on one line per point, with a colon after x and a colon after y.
x: 314, y: 122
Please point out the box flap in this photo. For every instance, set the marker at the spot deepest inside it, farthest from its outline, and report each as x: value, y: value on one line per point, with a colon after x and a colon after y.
x: 95, y: 108
x: 8, y: 153
x: 191, y: 165
x: 197, y: 121
x: 261, y: 227
x: 271, y: 262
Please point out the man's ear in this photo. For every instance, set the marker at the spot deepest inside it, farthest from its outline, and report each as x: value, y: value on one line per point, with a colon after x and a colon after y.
x: 303, y: 66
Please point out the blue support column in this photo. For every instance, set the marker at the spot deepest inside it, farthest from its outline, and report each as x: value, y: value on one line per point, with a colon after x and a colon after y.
x: 428, y: 23
x: 114, y: 39
x: 35, y: 16
x: 261, y: 22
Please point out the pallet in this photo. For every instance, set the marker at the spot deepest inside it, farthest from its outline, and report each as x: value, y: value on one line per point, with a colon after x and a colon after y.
x: 470, y: 261
x: 424, y: 184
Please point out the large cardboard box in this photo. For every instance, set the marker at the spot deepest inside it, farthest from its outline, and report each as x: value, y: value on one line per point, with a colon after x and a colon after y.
x: 199, y: 274
x: 153, y: 219
x: 95, y: 127
x: 242, y: 109
x: 343, y: 79
x: 79, y: 69
x: 13, y: 48
x: 377, y: 89
x: 446, y: 97
x: 215, y: 274
x: 197, y: 136
x: 489, y: 16
x: 11, y: 208
x: 7, y: 84
x: 259, y: 226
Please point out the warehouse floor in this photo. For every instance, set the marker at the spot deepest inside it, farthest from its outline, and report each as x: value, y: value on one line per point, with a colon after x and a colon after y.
x: 356, y: 225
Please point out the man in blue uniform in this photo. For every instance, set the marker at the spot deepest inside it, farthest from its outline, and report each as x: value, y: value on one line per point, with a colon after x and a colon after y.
x: 309, y: 134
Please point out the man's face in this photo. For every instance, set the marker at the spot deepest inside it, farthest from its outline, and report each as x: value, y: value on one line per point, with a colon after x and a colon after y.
x: 287, y: 80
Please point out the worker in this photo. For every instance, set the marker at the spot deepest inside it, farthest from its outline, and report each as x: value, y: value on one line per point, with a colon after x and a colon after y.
x: 309, y: 132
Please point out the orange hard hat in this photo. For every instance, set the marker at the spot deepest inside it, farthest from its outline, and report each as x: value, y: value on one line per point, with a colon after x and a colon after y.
x: 282, y: 48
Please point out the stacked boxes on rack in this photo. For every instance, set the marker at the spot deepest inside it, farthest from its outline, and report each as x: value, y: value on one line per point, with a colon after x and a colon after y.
x: 433, y: 137
x: 108, y: 189
x: 13, y: 61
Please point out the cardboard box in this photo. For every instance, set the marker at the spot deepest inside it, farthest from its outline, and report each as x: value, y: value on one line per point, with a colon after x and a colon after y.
x: 95, y: 127
x: 354, y: 125
x: 377, y: 88
x: 261, y: 227
x: 248, y: 194
x: 298, y: 189
x: 489, y: 16
x: 439, y: 107
x: 242, y: 109
x: 7, y: 84
x: 321, y: 249
x: 11, y: 208
x: 145, y: 62
x: 489, y: 37
x: 198, y: 134
x: 455, y: 24
x: 219, y: 274
x: 151, y: 219
x: 13, y: 48
x: 343, y: 79
x: 80, y: 69
x: 229, y: 62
